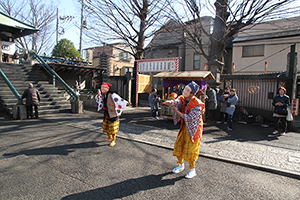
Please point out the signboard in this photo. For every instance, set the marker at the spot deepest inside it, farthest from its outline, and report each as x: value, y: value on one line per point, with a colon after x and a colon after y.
x: 8, y: 47
x: 154, y: 65
x: 295, y: 107
x: 160, y: 65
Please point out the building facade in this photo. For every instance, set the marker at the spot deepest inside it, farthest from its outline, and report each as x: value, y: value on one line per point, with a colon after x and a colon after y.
x: 119, y: 60
x: 172, y: 40
x: 265, y: 46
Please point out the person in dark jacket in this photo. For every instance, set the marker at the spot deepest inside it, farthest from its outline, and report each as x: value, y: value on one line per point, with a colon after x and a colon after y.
x: 210, y: 103
x: 223, y: 115
x: 33, y: 98
x: 16, y: 57
x: 154, y: 103
x: 281, y: 101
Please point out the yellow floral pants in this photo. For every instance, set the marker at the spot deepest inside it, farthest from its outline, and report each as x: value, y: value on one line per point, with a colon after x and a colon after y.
x: 185, y: 149
x: 110, y: 128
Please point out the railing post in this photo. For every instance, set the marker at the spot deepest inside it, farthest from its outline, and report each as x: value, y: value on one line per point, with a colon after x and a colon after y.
x: 12, y: 88
x: 53, y: 73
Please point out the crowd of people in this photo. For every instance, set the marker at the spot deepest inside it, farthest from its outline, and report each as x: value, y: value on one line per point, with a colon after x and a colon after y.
x: 16, y: 58
x: 228, y: 100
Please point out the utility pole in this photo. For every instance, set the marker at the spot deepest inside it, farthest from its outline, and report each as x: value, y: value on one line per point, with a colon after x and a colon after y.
x: 81, y: 25
x: 57, y: 26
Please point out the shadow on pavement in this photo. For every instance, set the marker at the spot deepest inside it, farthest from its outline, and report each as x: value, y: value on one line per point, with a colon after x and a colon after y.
x: 7, y: 124
x: 57, y: 150
x: 127, y: 187
x: 240, y: 133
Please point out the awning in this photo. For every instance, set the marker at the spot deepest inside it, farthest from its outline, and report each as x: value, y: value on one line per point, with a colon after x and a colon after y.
x: 186, y: 75
x: 175, y: 78
x: 12, y: 25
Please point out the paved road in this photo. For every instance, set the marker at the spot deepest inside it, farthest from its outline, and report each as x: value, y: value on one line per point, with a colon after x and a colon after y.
x: 247, y: 144
x: 45, y: 160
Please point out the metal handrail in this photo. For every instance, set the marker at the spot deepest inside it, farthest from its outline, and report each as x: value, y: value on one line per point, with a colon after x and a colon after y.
x: 48, y: 69
x: 12, y: 88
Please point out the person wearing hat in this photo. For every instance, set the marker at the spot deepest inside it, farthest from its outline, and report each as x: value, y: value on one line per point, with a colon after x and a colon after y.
x: 113, y: 105
x: 188, y: 109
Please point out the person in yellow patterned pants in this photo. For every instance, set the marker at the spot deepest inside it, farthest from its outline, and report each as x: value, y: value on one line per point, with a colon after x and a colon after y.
x: 112, y: 104
x: 188, y: 109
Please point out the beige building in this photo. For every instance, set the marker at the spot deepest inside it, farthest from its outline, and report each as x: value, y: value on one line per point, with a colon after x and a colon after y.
x: 120, y: 61
x: 173, y: 41
x: 266, y: 42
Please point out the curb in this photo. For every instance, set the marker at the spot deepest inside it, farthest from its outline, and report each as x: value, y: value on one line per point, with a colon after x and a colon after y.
x: 265, y: 168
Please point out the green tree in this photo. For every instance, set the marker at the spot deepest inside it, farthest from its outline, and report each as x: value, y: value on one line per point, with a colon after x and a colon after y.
x: 65, y: 48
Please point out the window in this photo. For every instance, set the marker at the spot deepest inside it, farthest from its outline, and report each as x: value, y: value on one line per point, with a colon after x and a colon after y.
x: 125, y: 56
x: 253, y: 50
x: 197, y: 61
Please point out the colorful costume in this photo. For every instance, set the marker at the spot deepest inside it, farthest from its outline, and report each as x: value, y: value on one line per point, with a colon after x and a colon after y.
x: 187, y: 144
x: 113, y: 106
x: 188, y: 109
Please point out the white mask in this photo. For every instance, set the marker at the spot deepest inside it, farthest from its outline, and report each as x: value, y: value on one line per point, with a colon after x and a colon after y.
x: 187, y: 91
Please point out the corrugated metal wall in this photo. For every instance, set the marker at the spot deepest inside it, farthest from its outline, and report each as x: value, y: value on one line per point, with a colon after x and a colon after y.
x: 254, y: 93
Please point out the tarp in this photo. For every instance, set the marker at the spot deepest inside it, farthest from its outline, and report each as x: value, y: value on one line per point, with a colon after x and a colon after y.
x: 186, y: 75
x: 171, y: 83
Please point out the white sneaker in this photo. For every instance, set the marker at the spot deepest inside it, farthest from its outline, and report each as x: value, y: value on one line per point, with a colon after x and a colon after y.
x: 152, y: 117
x: 178, y: 169
x: 275, y: 132
x: 219, y: 122
x: 282, y: 133
x: 191, y: 174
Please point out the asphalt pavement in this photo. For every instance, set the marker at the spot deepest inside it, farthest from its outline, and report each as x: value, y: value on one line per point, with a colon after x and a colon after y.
x: 63, y: 156
x: 250, y: 145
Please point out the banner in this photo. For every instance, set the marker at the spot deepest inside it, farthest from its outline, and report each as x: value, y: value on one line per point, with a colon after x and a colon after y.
x: 8, y: 47
x: 295, y: 107
x: 158, y: 65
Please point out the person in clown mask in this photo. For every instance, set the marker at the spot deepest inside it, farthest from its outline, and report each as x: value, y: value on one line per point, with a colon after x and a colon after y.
x: 188, y: 109
x: 113, y: 105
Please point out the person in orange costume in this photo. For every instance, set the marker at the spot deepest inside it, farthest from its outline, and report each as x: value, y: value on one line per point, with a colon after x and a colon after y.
x: 188, y: 109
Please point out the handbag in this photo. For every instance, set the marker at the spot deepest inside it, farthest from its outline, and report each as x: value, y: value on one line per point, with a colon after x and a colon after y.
x: 289, y: 116
x: 280, y: 110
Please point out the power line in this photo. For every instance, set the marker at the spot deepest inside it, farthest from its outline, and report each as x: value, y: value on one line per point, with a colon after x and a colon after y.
x: 263, y: 59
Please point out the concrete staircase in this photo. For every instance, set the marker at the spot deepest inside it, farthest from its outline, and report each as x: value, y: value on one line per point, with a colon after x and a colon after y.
x: 52, y: 100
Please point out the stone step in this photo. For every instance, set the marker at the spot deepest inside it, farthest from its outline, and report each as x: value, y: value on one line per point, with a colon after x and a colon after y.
x: 16, y: 81
x: 48, y: 111
x: 14, y: 102
x: 43, y: 93
x: 52, y: 99
x: 46, y: 107
x: 12, y: 97
x: 53, y: 111
x: 54, y: 103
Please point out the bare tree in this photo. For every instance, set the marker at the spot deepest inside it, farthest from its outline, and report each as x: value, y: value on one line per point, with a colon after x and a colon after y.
x: 12, y: 8
x: 39, y: 13
x: 230, y: 17
x: 130, y: 21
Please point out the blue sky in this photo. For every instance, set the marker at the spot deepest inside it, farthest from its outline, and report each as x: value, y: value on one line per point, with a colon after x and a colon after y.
x: 71, y: 8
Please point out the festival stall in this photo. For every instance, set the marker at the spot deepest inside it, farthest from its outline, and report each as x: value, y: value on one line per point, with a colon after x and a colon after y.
x: 171, y: 79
